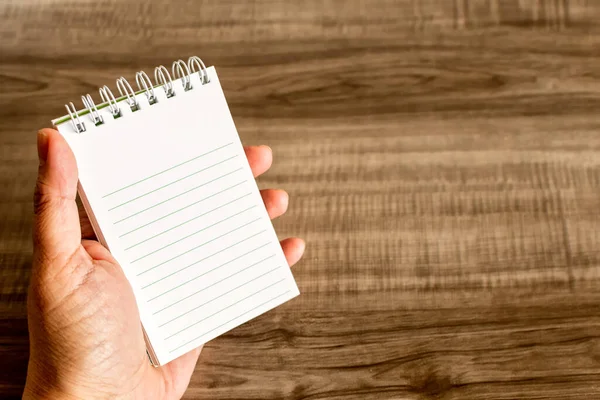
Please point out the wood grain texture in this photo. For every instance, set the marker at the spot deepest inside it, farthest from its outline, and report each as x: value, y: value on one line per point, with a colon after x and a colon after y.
x: 443, y: 161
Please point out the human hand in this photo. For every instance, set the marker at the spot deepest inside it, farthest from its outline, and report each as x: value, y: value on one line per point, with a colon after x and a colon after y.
x: 85, y: 334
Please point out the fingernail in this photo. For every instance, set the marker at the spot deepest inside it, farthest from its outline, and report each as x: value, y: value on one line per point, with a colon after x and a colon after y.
x: 42, y: 146
x: 302, y: 246
x: 285, y: 200
x: 270, y: 150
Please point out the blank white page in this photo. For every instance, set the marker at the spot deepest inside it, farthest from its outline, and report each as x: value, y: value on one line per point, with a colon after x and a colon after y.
x: 174, y: 200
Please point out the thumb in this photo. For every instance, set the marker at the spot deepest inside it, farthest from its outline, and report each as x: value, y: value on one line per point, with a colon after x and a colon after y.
x: 57, y: 233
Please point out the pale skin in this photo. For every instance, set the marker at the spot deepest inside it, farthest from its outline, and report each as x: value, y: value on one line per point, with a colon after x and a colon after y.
x: 85, y: 336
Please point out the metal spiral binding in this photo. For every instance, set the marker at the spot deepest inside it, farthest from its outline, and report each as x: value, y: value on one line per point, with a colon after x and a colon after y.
x: 180, y: 69
x: 92, y: 109
x: 75, y: 120
x: 144, y: 83
x: 108, y: 97
x: 159, y: 77
x: 178, y: 72
x: 197, y: 61
x: 126, y: 90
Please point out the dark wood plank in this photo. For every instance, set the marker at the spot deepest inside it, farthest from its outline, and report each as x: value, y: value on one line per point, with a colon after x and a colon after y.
x: 443, y: 162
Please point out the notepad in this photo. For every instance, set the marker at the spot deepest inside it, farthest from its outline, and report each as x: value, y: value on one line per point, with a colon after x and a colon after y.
x: 166, y: 183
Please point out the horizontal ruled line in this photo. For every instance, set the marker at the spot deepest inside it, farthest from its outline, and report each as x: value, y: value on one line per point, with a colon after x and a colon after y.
x: 196, y: 247
x: 199, y: 261
x: 176, y: 196
x: 206, y: 258
x: 218, y: 297
x: 207, y: 272
x: 166, y: 170
x: 181, y: 209
x: 213, y: 284
x: 231, y: 320
x: 197, y: 232
x: 170, y: 183
x: 194, y: 218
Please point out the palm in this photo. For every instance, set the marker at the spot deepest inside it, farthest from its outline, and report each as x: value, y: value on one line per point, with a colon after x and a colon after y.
x: 111, y: 345
x: 83, y: 318
x: 128, y: 363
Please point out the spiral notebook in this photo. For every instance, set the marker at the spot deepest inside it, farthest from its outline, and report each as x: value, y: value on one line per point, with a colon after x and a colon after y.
x: 164, y: 179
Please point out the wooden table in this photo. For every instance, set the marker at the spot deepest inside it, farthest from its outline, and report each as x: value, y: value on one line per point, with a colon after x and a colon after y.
x: 443, y: 162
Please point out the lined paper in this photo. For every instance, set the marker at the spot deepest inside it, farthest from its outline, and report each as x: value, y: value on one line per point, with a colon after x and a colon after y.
x: 178, y: 207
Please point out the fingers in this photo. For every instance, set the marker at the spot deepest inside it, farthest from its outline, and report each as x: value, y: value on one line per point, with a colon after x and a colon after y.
x: 56, y: 220
x: 260, y: 159
x: 293, y: 248
x: 276, y: 201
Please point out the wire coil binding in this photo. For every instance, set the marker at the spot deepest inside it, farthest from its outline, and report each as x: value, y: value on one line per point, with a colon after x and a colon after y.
x: 75, y: 120
x: 181, y: 70
x: 89, y: 104
x: 161, y: 74
x: 144, y: 83
x: 108, y: 97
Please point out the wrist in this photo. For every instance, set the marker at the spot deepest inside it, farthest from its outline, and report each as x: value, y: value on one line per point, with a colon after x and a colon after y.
x: 44, y: 384
x: 40, y: 385
x: 38, y: 392
x: 34, y: 391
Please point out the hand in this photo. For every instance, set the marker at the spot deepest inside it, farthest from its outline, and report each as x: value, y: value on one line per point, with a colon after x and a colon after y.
x: 86, y: 340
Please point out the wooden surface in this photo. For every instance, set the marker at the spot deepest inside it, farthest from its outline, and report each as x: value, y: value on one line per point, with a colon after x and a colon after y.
x: 443, y: 161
